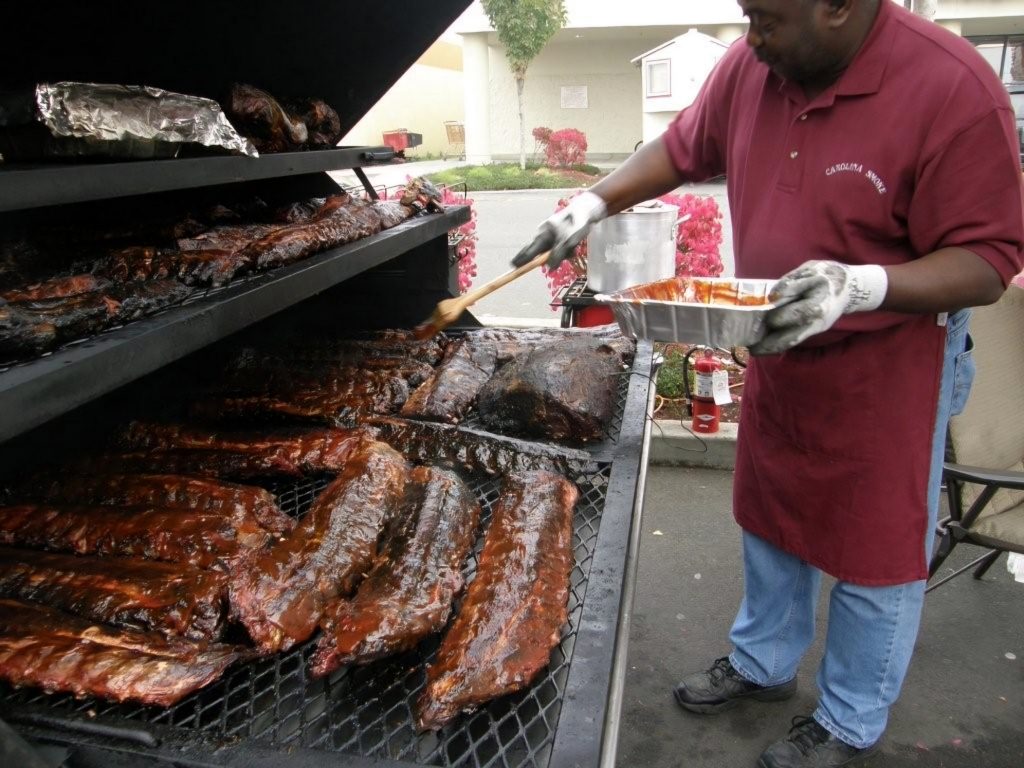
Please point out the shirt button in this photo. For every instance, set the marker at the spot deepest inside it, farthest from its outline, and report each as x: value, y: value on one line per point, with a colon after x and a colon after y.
x: 803, y: 117
x: 793, y: 154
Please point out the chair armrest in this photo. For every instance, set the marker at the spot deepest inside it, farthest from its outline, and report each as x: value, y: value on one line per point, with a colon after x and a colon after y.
x: 1004, y: 478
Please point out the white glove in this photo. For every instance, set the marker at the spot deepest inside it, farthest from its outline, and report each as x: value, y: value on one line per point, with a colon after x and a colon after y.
x: 566, y: 229
x: 814, y: 296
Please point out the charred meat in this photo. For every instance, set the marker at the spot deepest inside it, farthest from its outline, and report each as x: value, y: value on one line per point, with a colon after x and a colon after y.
x: 242, y: 504
x: 225, y: 453
x: 453, y: 387
x: 282, y: 594
x: 58, y: 652
x: 201, y: 539
x: 408, y: 593
x: 514, y: 608
x: 563, y: 391
x: 173, y: 599
x: 474, y: 451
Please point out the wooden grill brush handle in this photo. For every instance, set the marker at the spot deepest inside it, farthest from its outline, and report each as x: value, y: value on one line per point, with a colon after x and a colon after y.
x: 449, y: 310
x: 468, y: 299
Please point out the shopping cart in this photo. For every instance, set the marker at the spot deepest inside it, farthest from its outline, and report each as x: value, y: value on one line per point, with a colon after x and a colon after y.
x: 456, y: 139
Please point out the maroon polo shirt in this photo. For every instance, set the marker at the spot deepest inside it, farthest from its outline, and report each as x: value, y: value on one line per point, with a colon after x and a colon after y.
x: 914, y: 148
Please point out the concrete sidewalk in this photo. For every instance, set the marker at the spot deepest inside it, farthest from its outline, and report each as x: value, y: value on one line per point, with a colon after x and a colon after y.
x: 962, y: 704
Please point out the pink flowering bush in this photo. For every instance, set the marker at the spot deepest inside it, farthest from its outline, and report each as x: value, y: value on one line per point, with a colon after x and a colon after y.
x: 697, y: 243
x: 461, y: 241
x: 562, y: 148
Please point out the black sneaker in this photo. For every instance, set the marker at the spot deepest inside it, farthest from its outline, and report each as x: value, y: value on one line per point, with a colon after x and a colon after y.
x: 811, y: 746
x: 722, y: 688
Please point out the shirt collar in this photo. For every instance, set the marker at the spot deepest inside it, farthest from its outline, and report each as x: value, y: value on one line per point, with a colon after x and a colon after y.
x: 864, y: 75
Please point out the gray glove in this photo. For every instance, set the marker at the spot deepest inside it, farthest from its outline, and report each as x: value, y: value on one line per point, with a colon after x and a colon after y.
x: 566, y: 229
x: 812, y: 297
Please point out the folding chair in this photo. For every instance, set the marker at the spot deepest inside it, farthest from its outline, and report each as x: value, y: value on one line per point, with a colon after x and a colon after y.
x: 984, y: 471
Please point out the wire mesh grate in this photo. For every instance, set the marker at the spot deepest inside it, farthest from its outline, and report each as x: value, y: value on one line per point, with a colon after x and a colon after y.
x: 369, y: 710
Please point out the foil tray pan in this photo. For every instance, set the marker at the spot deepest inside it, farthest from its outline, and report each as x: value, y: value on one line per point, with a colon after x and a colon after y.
x: 716, y: 312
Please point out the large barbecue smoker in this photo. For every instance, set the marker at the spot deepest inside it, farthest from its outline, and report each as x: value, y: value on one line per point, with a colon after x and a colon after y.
x: 270, y: 711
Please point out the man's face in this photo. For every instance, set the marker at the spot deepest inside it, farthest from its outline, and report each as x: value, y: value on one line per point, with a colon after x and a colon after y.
x: 791, y: 37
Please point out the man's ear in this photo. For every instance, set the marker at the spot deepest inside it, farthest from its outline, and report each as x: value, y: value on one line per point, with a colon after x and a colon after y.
x: 837, y: 12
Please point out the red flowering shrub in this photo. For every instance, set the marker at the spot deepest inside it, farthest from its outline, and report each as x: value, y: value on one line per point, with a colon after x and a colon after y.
x: 697, y: 243
x: 565, y: 147
x: 461, y: 241
x: 542, y: 135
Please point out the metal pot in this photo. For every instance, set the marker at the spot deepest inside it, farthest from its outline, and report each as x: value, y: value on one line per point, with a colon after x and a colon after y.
x: 633, y: 247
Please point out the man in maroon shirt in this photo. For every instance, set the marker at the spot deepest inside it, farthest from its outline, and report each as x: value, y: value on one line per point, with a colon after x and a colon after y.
x: 872, y: 165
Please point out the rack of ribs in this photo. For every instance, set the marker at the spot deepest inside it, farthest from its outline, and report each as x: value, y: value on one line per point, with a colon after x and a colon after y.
x: 37, y: 325
x: 139, y: 594
x: 241, y: 503
x: 409, y: 591
x: 386, y: 344
x: 334, y: 395
x: 183, y: 449
x: 281, y: 367
x: 56, y: 288
x: 474, y: 451
x: 514, y: 608
x: 282, y: 593
x: 451, y: 390
x: 201, y: 539
x: 58, y: 652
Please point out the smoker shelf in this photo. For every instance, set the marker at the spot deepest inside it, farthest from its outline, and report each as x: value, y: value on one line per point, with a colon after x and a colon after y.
x: 34, y: 392
x: 23, y: 186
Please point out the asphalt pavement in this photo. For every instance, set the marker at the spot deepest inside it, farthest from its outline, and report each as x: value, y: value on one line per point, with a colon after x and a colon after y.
x: 505, y: 222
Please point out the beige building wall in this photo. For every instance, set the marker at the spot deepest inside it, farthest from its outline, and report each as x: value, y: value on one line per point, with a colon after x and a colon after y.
x: 426, y: 96
x: 612, y: 118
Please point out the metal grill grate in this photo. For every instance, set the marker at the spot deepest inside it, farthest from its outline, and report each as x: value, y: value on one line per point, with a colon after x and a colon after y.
x: 368, y: 710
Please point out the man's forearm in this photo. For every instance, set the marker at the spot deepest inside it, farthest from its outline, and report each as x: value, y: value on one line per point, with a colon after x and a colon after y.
x: 648, y: 173
x: 943, y: 281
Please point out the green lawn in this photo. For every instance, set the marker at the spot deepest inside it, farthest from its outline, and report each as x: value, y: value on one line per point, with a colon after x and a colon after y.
x: 499, y: 176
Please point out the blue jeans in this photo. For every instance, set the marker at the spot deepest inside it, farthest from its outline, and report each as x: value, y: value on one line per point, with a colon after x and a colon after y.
x: 871, y: 630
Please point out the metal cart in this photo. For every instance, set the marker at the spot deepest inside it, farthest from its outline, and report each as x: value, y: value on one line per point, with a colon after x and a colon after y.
x: 456, y: 133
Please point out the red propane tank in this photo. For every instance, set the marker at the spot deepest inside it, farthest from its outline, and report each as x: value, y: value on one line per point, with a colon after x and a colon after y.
x: 706, y: 411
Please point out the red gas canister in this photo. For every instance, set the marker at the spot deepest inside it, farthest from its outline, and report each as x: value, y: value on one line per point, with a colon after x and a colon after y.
x: 706, y: 411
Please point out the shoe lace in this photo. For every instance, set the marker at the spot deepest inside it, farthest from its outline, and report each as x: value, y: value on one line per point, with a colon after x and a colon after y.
x: 806, y: 733
x: 721, y: 669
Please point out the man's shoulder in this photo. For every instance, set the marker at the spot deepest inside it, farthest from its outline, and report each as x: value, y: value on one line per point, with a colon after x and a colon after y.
x: 932, y: 54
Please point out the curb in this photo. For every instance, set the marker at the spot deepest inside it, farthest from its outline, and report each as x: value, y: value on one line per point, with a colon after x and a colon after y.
x: 673, y: 445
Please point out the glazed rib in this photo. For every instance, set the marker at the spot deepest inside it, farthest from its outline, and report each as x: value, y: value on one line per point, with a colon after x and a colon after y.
x: 58, y: 287
x: 514, y: 608
x: 139, y: 594
x: 409, y: 592
x: 281, y: 595
x: 221, y: 453
x: 240, y: 503
x: 330, y: 396
x: 333, y: 225
x: 451, y: 390
x: 474, y: 451
x: 202, y: 539
x: 58, y: 652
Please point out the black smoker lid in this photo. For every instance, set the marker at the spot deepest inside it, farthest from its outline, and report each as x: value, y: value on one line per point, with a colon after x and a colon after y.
x: 347, y: 52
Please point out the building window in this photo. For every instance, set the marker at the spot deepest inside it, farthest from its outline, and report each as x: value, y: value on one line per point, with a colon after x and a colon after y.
x: 1005, y: 53
x: 659, y: 78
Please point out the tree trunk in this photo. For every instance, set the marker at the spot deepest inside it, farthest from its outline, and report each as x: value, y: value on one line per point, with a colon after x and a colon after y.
x: 926, y: 8
x: 520, y: 82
